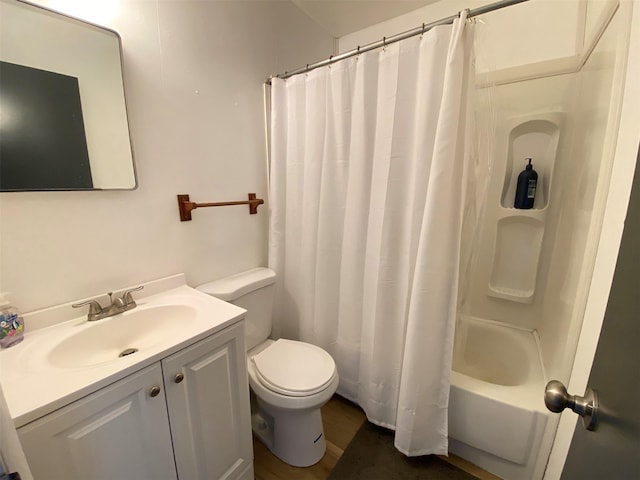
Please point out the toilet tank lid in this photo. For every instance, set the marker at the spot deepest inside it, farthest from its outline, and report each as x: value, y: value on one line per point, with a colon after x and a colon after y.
x: 234, y: 286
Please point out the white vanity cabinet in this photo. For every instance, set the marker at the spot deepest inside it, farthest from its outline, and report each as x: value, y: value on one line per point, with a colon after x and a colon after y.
x: 184, y: 417
x: 208, y: 400
x: 120, y: 431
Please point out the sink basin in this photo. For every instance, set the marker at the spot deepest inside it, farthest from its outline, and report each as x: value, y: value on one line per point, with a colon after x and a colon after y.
x: 113, y: 338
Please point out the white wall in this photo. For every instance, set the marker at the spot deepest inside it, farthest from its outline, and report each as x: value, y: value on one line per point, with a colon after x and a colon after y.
x: 194, y: 74
x: 530, y: 32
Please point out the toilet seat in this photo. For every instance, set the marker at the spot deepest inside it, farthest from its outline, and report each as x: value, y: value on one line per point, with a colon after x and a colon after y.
x: 295, y: 369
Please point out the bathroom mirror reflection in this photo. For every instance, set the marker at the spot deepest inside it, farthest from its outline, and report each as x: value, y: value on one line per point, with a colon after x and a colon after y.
x: 63, y: 121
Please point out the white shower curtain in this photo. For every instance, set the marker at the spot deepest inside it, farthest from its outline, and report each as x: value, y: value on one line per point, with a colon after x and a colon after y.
x: 368, y: 182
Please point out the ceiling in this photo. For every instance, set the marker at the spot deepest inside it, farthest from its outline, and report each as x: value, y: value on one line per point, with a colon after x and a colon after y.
x: 341, y: 17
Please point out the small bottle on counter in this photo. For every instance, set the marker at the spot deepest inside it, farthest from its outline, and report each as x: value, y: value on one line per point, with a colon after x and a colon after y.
x: 11, y: 323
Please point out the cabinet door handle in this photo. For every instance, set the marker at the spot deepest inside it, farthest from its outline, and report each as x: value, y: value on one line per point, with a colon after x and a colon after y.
x: 154, y: 391
x: 178, y: 378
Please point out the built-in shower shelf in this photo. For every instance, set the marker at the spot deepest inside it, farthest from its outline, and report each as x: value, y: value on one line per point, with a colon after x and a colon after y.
x: 538, y: 213
x: 523, y: 296
x: 515, y: 258
x: 519, y: 232
x: 537, y: 137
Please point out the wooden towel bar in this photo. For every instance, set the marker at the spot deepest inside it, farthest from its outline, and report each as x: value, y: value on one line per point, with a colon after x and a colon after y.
x: 186, y: 206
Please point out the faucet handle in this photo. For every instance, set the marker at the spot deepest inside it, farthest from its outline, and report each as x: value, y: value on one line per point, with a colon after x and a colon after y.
x: 127, y: 298
x: 115, y: 303
x: 95, y: 308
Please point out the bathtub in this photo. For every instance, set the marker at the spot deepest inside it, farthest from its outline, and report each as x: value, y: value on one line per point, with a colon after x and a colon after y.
x: 497, y: 417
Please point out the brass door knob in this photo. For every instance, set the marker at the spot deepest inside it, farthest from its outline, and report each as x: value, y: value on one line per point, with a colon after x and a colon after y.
x: 178, y: 378
x: 154, y: 391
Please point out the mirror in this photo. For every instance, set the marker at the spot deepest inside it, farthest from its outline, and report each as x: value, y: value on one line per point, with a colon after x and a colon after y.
x: 63, y: 119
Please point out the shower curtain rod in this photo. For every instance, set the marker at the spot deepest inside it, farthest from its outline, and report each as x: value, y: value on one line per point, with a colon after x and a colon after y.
x: 395, y: 38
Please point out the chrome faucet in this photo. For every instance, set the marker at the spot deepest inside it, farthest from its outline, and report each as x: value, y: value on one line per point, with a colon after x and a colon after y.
x: 117, y: 305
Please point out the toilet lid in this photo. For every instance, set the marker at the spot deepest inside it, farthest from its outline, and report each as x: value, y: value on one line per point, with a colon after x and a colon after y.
x: 293, y: 368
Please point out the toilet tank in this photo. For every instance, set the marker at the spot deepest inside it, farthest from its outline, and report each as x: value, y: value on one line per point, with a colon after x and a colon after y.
x: 252, y: 290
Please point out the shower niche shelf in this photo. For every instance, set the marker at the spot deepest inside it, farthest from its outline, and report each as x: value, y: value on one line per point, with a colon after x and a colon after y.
x: 516, y: 258
x: 534, y: 137
x: 519, y: 233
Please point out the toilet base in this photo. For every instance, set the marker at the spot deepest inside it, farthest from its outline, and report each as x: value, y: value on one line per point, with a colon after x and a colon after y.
x: 296, y: 438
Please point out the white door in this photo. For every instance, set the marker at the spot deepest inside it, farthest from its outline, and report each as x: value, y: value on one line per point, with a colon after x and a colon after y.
x: 208, y: 400
x: 119, y: 432
x: 612, y: 450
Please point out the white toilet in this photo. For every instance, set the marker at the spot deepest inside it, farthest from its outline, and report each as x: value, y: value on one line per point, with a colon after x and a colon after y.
x: 291, y: 380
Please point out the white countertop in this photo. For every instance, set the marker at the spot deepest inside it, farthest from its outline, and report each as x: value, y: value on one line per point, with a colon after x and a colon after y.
x: 33, y: 387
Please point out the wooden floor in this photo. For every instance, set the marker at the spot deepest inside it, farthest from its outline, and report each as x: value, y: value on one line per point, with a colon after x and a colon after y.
x: 341, y: 420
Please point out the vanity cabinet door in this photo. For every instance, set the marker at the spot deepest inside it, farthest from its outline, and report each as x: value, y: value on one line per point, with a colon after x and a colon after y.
x: 119, y: 432
x: 208, y: 403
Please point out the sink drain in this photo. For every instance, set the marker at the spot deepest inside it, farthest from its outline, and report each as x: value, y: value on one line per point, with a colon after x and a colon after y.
x: 128, y: 351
